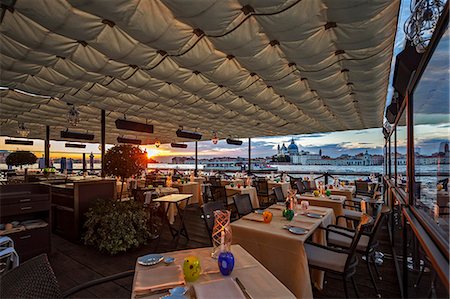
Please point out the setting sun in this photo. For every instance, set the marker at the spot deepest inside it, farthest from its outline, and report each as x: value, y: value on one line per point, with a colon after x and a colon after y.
x: 152, y: 153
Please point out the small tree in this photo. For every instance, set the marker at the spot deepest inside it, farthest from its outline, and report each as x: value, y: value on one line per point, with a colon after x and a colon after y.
x: 20, y: 158
x: 125, y: 161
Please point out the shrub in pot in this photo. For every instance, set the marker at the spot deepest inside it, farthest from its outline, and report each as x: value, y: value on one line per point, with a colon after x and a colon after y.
x: 116, y: 226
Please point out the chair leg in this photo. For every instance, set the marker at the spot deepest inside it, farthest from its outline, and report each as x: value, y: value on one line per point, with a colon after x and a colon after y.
x: 371, y: 277
x: 419, y: 278
x: 345, y: 286
x: 376, y: 270
x: 355, y: 287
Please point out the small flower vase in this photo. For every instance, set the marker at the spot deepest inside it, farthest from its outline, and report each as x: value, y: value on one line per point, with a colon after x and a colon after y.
x: 226, y: 263
x: 221, y: 235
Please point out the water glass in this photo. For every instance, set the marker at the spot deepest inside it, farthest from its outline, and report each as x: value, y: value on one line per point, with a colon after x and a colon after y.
x: 304, y: 205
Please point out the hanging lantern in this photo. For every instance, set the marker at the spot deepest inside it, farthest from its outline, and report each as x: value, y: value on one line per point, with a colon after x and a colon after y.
x: 22, y: 130
x: 73, y: 116
x: 215, y: 139
x: 157, y: 143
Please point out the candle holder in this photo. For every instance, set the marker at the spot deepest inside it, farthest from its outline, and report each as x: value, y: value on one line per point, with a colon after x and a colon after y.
x: 221, y: 236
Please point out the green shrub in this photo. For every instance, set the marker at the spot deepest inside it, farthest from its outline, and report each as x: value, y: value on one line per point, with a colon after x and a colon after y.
x: 115, y: 226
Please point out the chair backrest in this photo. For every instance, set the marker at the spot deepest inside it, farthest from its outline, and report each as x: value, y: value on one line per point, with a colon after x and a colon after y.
x: 261, y: 186
x: 138, y: 195
x: 365, y: 221
x: 215, y: 181
x: 218, y: 193
x: 243, y: 204
x: 32, y: 279
x: 206, y: 192
x: 309, y: 186
x: 381, y: 212
x: 208, y: 214
x: 300, y: 187
x: 361, y: 186
x: 279, y: 194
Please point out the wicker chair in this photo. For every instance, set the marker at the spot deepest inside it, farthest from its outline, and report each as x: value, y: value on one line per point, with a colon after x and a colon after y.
x: 335, y: 260
x: 35, y: 279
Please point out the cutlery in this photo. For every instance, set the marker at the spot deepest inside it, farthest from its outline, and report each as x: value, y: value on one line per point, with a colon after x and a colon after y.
x: 242, y: 287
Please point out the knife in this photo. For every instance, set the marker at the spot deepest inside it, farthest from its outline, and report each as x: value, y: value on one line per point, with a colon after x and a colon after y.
x: 241, y: 286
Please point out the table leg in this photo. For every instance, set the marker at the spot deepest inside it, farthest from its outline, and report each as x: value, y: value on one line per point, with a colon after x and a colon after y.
x: 182, y: 225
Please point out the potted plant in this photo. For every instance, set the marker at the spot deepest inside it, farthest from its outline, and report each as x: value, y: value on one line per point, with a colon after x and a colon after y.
x: 125, y: 161
x: 115, y: 226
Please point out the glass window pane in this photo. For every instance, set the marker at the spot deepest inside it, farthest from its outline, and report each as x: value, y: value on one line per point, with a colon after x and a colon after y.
x: 431, y: 139
x: 401, y: 151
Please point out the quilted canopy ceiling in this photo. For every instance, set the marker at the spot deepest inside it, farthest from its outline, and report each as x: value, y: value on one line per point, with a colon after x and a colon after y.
x: 242, y: 68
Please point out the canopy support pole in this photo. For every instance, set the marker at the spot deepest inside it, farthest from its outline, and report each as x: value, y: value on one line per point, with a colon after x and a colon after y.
x: 103, y: 137
x: 47, y: 147
x: 249, y: 156
x: 84, y: 162
x: 196, y: 159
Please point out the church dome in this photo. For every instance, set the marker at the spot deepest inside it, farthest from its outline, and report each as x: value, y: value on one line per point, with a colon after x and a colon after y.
x: 293, y: 148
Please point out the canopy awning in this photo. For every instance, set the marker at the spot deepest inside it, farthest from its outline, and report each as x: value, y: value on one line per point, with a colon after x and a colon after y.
x: 241, y: 68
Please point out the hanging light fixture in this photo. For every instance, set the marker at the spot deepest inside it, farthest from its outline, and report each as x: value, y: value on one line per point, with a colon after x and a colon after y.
x: 73, y: 116
x: 22, y: 130
x: 420, y: 25
x: 215, y: 139
x: 157, y: 143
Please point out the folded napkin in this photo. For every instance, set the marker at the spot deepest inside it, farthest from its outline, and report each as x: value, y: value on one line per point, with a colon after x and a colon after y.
x: 254, y: 217
x: 320, y: 212
x: 154, y: 279
x: 336, y: 197
x: 303, y: 224
x: 223, y: 288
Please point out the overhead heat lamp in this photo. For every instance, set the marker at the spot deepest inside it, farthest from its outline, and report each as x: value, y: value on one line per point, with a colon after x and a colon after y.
x: 178, y: 145
x: 129, y: 125
x: 129, y: 140
x: 19, y: 142
x: 76, y: 135
x: 75, y: 145
x: 188, y: 135
x: 234, y: 141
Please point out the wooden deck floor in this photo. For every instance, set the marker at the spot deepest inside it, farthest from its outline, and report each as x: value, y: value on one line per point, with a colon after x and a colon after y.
x: 75, y: 264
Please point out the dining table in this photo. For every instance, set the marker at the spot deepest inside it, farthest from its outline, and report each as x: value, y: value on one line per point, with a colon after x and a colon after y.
x: 250, y: 190
x: 178, y: 201
x: 257, y: 281
x: 347, y: 191
x: 235, y: 182
x: 190, y: 188
x: 282, y: 252
x: 335, y: 202
x: 171, y: 210
x: 284, y: 186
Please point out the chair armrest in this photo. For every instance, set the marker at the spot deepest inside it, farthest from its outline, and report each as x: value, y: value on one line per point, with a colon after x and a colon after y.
x: 331, y: 226
x: 97, y: 282
x: 338, y: 250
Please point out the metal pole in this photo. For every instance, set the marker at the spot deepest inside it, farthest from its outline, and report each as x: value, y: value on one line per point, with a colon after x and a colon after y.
x: 196, y: 158
x: 84, y: 162
x: 47, y: 147
x: 249, y: 156
x: 103, y: 136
